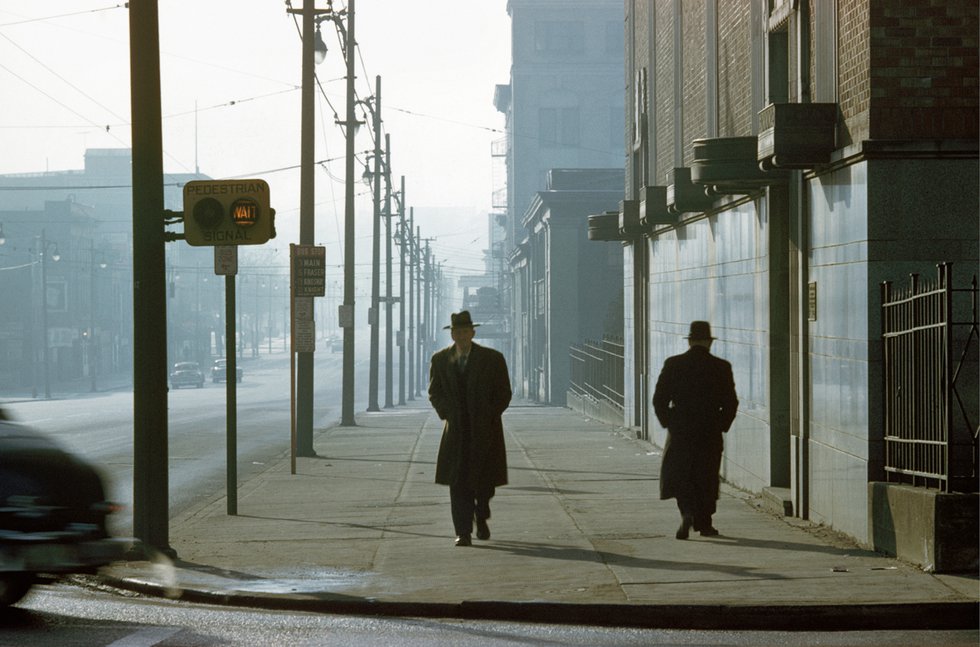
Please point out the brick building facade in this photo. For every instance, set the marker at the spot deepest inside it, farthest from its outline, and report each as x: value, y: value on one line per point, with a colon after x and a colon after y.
x: 784, y: 159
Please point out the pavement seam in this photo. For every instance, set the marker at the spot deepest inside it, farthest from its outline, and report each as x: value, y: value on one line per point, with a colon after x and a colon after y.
x: 566, y: 508
x: 399, y: 496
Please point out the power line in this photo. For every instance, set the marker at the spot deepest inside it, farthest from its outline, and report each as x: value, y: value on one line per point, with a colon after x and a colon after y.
x: 66, y: 81
x: 60, y: 103
x: 63, y: 15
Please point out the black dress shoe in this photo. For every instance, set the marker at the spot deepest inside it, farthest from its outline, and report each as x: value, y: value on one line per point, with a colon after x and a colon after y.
x: 710, y: 531
x: 482, y: 529
x: 464, y: 540
x: 685, y: 530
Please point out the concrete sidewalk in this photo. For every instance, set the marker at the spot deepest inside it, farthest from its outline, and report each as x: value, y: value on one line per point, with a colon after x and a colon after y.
x: 579, y: 535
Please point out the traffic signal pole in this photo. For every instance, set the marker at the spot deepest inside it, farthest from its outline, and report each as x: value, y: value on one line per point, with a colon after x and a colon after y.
x: 231, y: 399
x: 150, y: 446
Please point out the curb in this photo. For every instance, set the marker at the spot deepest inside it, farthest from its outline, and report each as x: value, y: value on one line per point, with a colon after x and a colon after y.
x: 928, y: 616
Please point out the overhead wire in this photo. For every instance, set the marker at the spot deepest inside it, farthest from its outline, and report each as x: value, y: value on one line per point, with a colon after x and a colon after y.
x: 64, y: 15
x: 61, y: 103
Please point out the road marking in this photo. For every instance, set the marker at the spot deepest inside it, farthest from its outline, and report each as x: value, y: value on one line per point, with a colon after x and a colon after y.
x: 146, y: 637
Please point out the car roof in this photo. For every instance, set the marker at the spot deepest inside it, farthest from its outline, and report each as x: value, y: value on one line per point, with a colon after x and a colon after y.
x: 10, y: 430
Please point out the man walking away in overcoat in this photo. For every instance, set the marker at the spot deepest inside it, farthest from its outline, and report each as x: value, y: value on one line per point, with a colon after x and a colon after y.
x: 469, y: 387
x: 695, y: 401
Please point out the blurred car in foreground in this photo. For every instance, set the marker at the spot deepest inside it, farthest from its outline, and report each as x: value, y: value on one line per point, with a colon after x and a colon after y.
x: 186, y: 374
x: 220, y: 368
x: 53, y: 513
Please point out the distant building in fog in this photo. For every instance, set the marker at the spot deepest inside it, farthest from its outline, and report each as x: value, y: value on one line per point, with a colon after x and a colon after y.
x: 564, y: 110
x: 84, y: 218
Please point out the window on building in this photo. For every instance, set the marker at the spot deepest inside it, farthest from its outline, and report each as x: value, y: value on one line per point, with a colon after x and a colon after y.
x: 571, y: 129
x: 539, y: 297
x: 778, y: 77
x: 559, y: 37
x: 559, y: 127
x: 548, y: 127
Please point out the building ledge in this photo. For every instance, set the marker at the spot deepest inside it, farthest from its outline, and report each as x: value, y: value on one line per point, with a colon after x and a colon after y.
x: 605, y: 227
x: 730, y: 165
x: 797, y: 135
x: 683, y: 196
x: 653, y: 207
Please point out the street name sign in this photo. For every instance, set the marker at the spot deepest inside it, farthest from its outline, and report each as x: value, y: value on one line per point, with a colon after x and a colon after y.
x: 308, y: 265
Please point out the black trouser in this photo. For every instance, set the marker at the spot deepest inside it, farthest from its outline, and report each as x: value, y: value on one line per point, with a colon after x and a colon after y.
x: 698, y: 507
x: 466, y: 503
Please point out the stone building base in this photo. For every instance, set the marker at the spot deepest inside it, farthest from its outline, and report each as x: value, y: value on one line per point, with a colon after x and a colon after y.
x: 932, y: 529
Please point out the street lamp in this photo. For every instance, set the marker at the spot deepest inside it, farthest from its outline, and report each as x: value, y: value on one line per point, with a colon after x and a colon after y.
x: 319, y: 47
x: 55, y: 256
x: 270, y: 313
x: 93, y: 358
x: 373, y: 179
x: 304, y: 369
x: 399, y: 240
x: 388, y: 296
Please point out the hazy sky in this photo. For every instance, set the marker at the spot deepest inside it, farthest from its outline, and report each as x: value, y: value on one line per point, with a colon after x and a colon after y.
x: 231, y: 100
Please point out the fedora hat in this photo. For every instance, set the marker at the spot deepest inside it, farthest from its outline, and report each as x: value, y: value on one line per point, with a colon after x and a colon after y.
x: 461, y: 320
x: 700, y: 331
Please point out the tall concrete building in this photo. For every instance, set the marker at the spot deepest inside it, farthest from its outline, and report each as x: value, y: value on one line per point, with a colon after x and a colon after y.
x: 564, y: 110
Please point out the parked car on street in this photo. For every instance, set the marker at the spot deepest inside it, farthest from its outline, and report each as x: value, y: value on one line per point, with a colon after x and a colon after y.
x: 220, y: 369
x: 186, y: 374
x: 53, y: 512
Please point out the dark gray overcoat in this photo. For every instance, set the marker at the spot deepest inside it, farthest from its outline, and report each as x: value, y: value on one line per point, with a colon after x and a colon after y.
x: 695, y: 401
x: 473, y: 433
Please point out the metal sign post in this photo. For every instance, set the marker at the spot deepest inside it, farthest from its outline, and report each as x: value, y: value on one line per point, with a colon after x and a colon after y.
x: 226, y: 263
x: 307, y: 264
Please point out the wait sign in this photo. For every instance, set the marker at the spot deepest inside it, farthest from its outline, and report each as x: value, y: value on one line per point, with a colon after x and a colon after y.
x: 308, y: 268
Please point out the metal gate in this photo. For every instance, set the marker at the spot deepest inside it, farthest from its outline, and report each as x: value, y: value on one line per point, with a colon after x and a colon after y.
x: 597, y: 371
x: 930, y: 378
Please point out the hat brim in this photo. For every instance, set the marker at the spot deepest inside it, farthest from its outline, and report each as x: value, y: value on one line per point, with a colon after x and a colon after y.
x: 450, y: 327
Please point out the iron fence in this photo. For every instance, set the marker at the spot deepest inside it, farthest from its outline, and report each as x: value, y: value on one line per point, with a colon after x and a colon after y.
x: 597, y: 371
x: 930, y: 379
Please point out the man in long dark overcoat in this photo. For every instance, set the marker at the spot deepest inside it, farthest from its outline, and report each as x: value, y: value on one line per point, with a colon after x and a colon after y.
x: 695, y: 401
x: 469, y: 387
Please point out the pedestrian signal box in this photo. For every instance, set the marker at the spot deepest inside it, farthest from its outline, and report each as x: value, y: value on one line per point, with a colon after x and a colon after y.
x: 228, y: 212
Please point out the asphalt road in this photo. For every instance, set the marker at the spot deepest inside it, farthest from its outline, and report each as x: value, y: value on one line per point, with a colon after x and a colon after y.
x: 99, y: 426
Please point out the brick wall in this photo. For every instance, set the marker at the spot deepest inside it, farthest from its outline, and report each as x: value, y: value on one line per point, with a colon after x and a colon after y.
x: 923, y: 69
x: 853, y: 68
x: 664, y: 94
x: 734, y: 68
x: 695, y: 118
x: 638, y: 59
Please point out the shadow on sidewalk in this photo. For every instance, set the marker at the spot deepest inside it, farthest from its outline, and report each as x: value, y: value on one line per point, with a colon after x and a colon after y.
x: 545, y: 551
x: 358, y: 526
